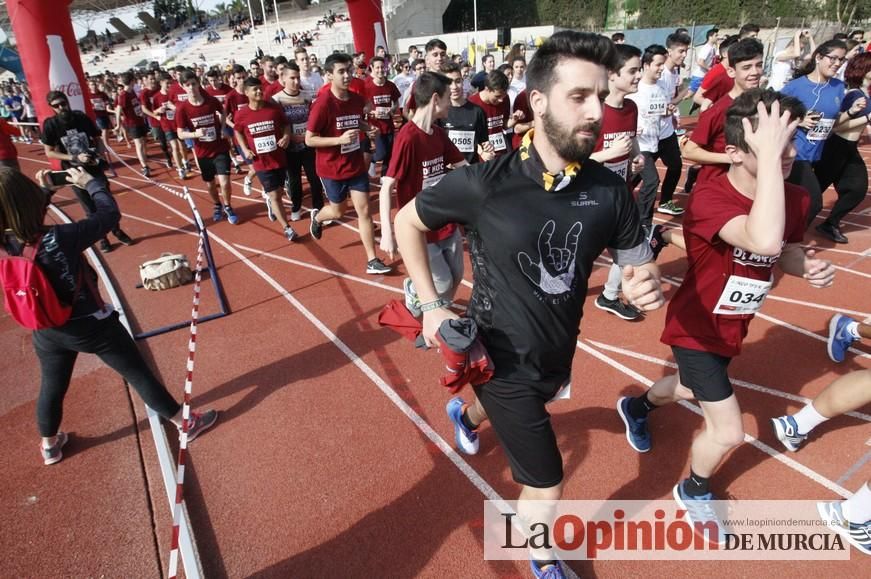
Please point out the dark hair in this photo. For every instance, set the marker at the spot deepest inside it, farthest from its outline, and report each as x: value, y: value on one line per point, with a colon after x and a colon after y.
x: 251, y: 82
x: 22, y: 205
x: 428, y: 84
x: 496, y: 80
x: 823, y: 49
x: 541, y: 73
x: 727, y: 42
x: 433, y: 44
x: 412, y: 47
x: 180, y: 68
x: 126, y: 78
x: 280, y: 59
x: 54, y: 95
x: 267, y: 58
x: 856, y: 70
x: 337, y: 58
x: 291, y: 65
x: 450, y: 67
x: 744, y: 107
x: 503, y: 68
x: 748, y: 29
x: 839, y: 36
x: 678, y: 39
x: 254, y: 62
x: 212, y: 73
x: 164, y: 76
x: 516, y: 58
x: 651, y: 51
x: 300, y: 49
x: 618, y: 36
x: 238, y: 68
x: 744, y: 50
x: 188, y: 76
x: 680, y: 30
x: 855, y: 32
x: 625, y: 53
x: 486, y: 57
x: 416, y: 62
x: 711, y: 32
x: 375, y: 59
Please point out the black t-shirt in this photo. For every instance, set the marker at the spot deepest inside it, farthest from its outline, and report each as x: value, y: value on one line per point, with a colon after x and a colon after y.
x: 532, y: 251
x: 73, y: 136
x: 467, y: 128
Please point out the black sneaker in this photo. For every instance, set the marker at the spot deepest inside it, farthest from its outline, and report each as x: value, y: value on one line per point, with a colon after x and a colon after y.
x: 618, y: 308
x: 105, y: 246
x: 656, y: 241
x: 123, y: 237
x: 832, y: 232
x: 146, y: 172
x: 376, y: 266
x: 316, y: 229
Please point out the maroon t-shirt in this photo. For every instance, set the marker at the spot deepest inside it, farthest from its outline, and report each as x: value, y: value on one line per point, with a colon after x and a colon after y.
x: 99, y: 102
x: 420, y: 161
x: 521, y: 103
x: 330, y: 117
x: 270, y: 89
x: 177, y: 92
x: 233, y: 101
x: 710, y: 134
x: 717, y: 83
x: 381, y: 100
x: 706, y: 312
x: 497, y: 117
x: 167, y: 117
x: 131, y: 109
x: 219, y: 93
x: 616, y: 123
x: 191, y: 117
x: 147, y: 98
x: 263, y: 129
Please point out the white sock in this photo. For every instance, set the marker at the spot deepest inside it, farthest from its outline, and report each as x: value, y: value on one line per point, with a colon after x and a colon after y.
x: 857, y: 509
x: 808, y: 418
x: 853, y: 329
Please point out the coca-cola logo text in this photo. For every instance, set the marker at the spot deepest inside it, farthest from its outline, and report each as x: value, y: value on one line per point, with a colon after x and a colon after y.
x: 71, y: 89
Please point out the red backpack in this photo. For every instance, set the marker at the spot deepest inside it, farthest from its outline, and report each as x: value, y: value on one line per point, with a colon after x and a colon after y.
x: 30, y: 298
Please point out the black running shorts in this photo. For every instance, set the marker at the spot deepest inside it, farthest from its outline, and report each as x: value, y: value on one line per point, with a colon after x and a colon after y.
x: 518, y: 415
x: 211, y: 166
x: 704, y: 373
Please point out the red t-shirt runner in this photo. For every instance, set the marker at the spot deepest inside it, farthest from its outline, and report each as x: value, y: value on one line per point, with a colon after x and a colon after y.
x: 617, y: 123
x: 330, y: 117
x: 724, y: 285
x: 191, y: 117
x: 219, y: 93
x: 167, y: 117
x: 381, y: 99
x: 717, y: 83
x: 710, y: 134
x: 420, y: 161
x: 263, y: 129
x: 177, y: 92
x: 521, y: 103
x: 497, y: 116
x: 147, y: 98
x: 99, y: 102
x: 131, y: 110
x: 233, y: 102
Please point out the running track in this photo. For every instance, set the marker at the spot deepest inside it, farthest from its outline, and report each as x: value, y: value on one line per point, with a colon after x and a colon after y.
x: 332, y: 456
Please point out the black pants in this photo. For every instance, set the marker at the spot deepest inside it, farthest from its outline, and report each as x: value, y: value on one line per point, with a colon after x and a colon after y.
x: 803, y: 174
x: 88, y: 204
x: 57, y: 349
x: 160, y: 136
x: 669, y: 153
x: 842, y: 165
x: 296, y: 162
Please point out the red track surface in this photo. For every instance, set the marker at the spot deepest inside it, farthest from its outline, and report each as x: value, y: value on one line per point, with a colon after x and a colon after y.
x: 314, y: 471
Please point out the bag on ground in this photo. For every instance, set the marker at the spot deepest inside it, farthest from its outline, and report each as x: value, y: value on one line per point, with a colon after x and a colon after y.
x: 167, y: 271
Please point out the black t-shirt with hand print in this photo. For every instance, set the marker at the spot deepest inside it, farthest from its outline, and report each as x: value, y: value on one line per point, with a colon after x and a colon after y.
x: 533, y: 240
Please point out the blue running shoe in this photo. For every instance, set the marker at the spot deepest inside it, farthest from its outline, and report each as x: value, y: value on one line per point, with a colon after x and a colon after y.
x: 636, y: 430
x: 231, y: 215
x: 551, y: 571
x: 218, y: 213
x: 857, y: 534
x: 467, y: 440
x: 700, y: 514
x: 840, y: 338
x: 786, y: 431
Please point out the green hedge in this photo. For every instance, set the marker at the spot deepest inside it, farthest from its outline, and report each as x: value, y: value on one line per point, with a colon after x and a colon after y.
x: 580, y: 14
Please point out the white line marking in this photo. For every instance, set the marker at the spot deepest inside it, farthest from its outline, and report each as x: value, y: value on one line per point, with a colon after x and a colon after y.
x: 855, y: 468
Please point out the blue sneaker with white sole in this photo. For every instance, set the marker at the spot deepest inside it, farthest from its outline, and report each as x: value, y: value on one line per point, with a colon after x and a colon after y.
x: 786, y: 431
x: 840, y: 338
x: 700, y: 514
x: 857, y: 534
x: 467, y: 440
x: 550, y: 571
x: 636, y: 429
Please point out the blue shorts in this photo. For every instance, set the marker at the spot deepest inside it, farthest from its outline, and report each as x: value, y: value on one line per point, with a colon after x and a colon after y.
x: 383, y: 147
x: 103, y: 123
x: 273, y: 179
x: 228, y: 132
x: 695, y: 83
x: 337, y: 191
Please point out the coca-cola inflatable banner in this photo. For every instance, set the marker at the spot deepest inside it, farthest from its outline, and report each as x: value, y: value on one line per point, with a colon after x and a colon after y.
x: 367, y: 25
x: 49, y: 53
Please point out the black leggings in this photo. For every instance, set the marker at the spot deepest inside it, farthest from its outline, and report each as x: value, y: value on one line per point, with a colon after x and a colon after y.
x: 57, y: 349
x: 669, y: 153
x: 89, y: 206
x: 842, y: 165
x: 803, y: 174
x: 296, y: 162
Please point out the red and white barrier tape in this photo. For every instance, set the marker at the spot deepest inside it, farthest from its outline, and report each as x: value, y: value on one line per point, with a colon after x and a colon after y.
x: 186, y: 413
x: 168, y: 188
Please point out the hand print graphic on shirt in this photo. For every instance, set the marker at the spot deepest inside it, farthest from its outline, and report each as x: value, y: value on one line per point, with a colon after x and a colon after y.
x: 554, y: 270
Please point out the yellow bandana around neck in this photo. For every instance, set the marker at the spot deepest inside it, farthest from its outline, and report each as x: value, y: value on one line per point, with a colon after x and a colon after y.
x: 551, y: 181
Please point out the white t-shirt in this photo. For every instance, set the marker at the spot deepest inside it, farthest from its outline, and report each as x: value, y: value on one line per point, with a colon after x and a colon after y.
x: 515, y: 88
x: 781, y: 73
x: 704, y: 52
x: 670, y: 82
x: 653, y: 123
x: 310, y: 85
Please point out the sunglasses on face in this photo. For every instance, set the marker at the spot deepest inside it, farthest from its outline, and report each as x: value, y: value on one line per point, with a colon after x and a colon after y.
x: 59, y: 104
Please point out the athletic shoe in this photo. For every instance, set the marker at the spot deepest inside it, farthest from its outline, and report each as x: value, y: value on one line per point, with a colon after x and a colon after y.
x: 218, y: 213
x: 246, y: 186
x: 553, y: 571
x: 187, y: 166
x: 238, y: 168
x: 857, y: 534
x: 636, y: 428
x: 105, y: 246
x: 269, y: 213
x: 832, y: 232
x: 656, y: 241
x: 618, y: 308
x: 670, y: 208
x: 168, y: 164
x: 123, y: 238
x: 295, y: 215
x: 467, y: 440
x: 316, y: 229
x: 182, y: 173
x: 328, y: 222
x: 200, y: 421
x: 146, y: 171
x: 53, y: 454
x: 786, y: 431
x: 412, y: 302
x: 839, y: 337
x: 231, y: 215
x: 289, y: 233
x: 376, y: 267
x: 372, y: 171
x: 700, y: 513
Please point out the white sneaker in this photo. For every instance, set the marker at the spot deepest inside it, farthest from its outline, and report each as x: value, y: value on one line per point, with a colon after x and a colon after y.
x: 246, y: 186
x: 295, y: 215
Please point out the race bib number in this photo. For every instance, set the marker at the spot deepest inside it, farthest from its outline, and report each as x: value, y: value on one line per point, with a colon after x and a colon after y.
x: 209, y: 134
x: 354, y: 145
x: 821, y: 131
x: 264, y: 144
x: 382, y: 112
x: 170, y: 114
x: 498, y: 140
x: 99, y: 105
x: 299, y: 129
x: 657, y: 107
x: 433, y: 180
x: 463, y: 140
x: 620, y: 168
x: 742, y: 296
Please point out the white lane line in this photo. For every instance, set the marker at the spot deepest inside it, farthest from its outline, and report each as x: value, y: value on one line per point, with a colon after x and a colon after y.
x: 855, y: 468
x: 742, y: 383
x: 773, y: 453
